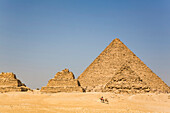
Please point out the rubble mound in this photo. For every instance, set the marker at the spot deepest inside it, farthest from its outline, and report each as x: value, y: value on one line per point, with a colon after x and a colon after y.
x: 63, y: 81
x: 9, y: 83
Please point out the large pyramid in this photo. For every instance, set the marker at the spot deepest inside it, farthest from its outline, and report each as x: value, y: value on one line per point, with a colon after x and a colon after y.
x: 118, y: 69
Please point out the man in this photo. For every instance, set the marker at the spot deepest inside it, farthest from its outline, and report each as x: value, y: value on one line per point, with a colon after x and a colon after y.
x: 102, y: 100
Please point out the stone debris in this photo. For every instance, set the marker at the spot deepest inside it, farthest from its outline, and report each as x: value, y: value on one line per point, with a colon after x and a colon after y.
x: 9, y: 83
x: 63, y: 81
x: 117, y: 69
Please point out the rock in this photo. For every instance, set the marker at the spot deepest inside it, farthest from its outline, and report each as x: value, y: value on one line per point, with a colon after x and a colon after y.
x: 147, y: 90
x: 63, y: 81
x: 117, y: 92
x: 9, y: 83
x: 89, y: 89
x: 118, y: 67
x: 168, y: 96
x: 97, y: 88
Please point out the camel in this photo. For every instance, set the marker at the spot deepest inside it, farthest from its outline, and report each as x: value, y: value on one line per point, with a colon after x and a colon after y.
x: 104, y: 100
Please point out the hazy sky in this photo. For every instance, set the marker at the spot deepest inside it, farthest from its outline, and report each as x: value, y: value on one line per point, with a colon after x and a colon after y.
x: 38, y: 38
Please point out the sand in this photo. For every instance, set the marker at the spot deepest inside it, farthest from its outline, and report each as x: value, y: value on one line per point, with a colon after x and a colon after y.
x: 37, y: 102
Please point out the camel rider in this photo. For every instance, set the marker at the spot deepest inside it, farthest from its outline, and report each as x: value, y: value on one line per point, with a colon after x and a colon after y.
x: 102, y: 100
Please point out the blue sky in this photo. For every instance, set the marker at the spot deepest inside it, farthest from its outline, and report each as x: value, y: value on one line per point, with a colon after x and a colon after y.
x: 38, y: 38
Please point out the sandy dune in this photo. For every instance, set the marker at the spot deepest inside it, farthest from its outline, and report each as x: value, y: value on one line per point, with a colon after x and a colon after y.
x: 35, y: 102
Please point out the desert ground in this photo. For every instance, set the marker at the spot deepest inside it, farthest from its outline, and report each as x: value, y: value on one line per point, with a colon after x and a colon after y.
x: 37, y: 102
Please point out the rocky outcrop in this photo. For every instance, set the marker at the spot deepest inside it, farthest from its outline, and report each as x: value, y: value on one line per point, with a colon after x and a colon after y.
x: 9, y: 82
x: 118, y: 69
x: 63, y: 81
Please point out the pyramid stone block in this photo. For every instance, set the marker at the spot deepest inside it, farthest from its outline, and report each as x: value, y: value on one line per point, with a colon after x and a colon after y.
x: 9, y: 82
x: 117, y: 63
x: 63, y: 81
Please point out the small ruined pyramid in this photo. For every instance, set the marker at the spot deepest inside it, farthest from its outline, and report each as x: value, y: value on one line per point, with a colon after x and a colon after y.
x: 118, y: 69
x: 126, y: 81
x: 9, y: 83
x: 63, y: 81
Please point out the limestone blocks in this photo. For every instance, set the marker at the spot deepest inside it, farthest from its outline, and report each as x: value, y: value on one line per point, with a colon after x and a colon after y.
x: 126, y: 81
x: 118, y: 68
x: 9, y: 82
x: 63, y: 81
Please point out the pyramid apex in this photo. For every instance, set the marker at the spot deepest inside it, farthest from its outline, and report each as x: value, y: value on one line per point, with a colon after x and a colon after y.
x: 116, y: 39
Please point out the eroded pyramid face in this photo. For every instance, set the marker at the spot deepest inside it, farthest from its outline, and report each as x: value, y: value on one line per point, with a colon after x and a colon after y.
x: 106, y: 66
x: 126, y: 81
x: 63, y: 81
x: 9, y: 82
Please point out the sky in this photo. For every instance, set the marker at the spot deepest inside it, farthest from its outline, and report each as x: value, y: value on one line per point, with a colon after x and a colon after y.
x: 38, y: 38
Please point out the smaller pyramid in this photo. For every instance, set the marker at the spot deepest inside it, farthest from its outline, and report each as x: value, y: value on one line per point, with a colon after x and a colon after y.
x: 63, y: 81
x: 126, y: 81
x: 9, y: 83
